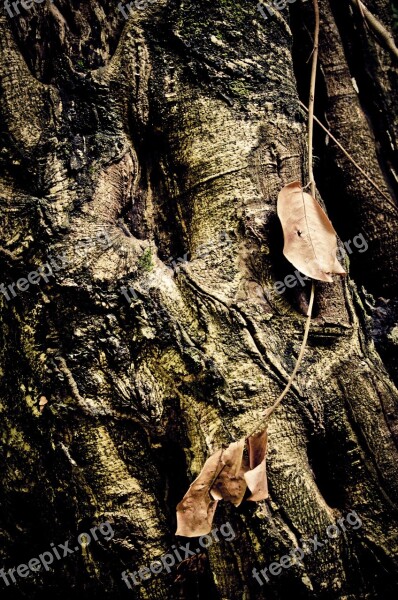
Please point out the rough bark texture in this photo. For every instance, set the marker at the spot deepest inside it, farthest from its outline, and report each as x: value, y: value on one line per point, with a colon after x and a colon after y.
x: 174, y: 129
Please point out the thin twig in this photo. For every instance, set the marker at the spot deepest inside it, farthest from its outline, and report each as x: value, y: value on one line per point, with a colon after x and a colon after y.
x: 358, y: 3
x: 312, y: 97
x: 352, y: 160
x: 268, y: 413
x: 300, y: 356
x: 379, y: 29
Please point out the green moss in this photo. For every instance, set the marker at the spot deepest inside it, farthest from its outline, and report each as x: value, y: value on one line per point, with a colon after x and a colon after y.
x: 80, y: 64
x: 205, y: 20
x: 239, y: 89
x: 145, y: 261
x: 233, y: 9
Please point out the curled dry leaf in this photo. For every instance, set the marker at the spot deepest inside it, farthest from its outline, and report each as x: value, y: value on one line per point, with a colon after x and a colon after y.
x: 230, y: 484
x: 196, y: 510
x: 226, y: 475
x: 256, y: 478
x: 310, y: 239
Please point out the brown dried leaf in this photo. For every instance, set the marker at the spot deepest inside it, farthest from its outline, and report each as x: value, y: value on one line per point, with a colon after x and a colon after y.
x: 196, y: 510
x: 230, y: 484
x: 310, y: 239
x: 256, y: 478
x: 224, y: 476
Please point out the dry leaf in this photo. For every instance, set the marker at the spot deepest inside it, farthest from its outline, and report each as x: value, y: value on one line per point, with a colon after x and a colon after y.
x: 310, y: 239
x: 256, y: 478
x: 230, y: 484
x: 196, y: 510
x: 226, y: 475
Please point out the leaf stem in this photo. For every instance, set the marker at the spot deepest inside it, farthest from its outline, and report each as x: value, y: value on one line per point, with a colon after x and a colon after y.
x: 311, y: 101
x: 277, y: 402
x: 269, y: 411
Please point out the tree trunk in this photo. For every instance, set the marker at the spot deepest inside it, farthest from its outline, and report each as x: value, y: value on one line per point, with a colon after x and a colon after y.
x: 145, y: 156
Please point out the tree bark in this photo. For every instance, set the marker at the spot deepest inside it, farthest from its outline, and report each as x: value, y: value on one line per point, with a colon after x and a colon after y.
x: 169, y: 135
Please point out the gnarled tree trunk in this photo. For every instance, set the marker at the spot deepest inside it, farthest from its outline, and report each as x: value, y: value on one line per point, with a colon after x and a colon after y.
x: 170, y: 134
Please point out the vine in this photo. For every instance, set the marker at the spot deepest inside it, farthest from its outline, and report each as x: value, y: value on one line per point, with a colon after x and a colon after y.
x: 310, y: 244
